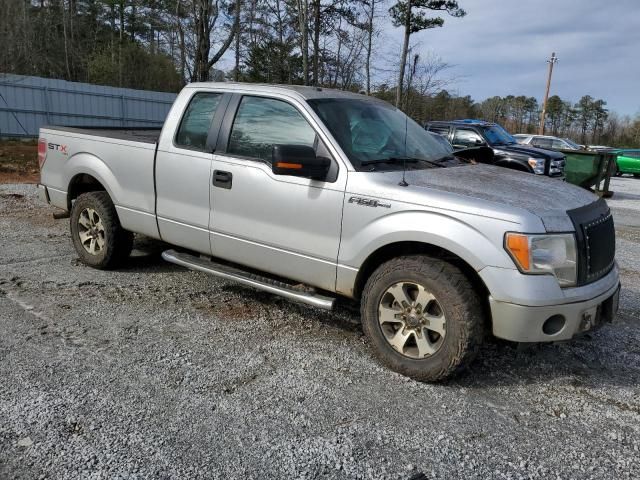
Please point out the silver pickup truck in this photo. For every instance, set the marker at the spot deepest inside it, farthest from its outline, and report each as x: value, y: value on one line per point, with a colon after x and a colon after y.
x: 316, y: 194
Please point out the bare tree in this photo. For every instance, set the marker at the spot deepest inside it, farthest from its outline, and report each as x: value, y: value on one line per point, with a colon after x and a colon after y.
x: 206, y: 16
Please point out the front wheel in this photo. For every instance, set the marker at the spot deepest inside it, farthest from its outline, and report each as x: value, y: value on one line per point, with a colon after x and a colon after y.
x: 97, y: 235
x: 422, y: 317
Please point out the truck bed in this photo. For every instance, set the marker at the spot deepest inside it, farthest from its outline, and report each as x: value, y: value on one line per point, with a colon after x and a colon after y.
x: 136, y: 134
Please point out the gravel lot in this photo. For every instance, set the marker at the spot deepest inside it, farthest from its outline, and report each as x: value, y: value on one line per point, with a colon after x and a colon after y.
x: 153, y: 371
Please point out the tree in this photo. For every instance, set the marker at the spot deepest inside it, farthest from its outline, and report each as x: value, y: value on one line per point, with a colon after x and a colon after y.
x: 205, y: 16
x: 584, y: 111
x: 412, y: 15
x: 370, y: 12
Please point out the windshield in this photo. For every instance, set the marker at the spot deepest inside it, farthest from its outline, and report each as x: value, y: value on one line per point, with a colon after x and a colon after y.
x: 373, y: 133
x: 496, y: 135
x: 572, y: 143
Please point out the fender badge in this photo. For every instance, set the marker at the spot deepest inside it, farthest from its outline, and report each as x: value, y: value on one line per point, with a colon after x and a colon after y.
x: 368, y: 202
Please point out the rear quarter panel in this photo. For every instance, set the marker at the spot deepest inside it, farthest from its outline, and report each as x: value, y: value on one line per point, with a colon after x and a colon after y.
x: 124, y: 168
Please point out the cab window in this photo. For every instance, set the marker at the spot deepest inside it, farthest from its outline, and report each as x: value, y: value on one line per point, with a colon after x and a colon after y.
x: 439, y: 129
x: 262, y: 122
x: 465, y: 138
x: 196, y: 122
x: 542, y: 142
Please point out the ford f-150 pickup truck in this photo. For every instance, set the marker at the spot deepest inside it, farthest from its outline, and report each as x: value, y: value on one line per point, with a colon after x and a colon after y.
x: 316, y: 194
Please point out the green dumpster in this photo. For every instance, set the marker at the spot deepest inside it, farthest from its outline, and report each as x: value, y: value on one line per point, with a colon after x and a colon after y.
x: 590, y: 170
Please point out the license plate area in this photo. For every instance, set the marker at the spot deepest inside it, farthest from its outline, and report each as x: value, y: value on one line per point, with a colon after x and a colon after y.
x: 600, y: 314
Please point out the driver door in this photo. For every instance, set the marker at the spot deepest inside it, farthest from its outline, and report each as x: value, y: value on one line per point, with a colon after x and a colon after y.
x: 288, y: 226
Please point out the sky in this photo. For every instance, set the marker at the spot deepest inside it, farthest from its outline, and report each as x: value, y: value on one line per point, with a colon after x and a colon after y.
x: 501, y: 48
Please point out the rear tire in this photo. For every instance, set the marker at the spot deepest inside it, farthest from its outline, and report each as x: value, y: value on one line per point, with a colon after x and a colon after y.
x: 97, y: 235
x: 618, y: 173
x: 438, y: 329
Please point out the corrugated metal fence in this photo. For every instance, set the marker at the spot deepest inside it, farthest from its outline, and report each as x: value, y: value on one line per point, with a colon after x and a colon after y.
x: 27, y: 103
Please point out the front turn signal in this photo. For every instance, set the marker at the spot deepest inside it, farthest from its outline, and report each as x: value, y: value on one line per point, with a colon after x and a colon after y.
x: 518, y: 246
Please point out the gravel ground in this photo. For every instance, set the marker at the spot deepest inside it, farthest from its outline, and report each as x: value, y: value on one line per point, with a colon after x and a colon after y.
x: 153, y: 371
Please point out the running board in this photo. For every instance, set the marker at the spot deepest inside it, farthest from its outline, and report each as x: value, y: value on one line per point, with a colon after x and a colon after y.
x: 250, y: 279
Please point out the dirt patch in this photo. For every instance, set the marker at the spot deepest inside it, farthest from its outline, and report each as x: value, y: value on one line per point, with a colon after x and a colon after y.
x: 19, y: 161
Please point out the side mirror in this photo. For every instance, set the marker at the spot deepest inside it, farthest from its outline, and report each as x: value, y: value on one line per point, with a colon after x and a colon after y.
x: 478, y: 142
x: 298, y: 161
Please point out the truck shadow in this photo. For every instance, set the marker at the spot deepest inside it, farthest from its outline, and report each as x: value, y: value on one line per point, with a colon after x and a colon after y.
x: 589, y: 360
x: 584, y: 361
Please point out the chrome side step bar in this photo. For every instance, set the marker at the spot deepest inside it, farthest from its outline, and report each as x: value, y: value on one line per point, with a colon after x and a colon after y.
x: 250, y: 279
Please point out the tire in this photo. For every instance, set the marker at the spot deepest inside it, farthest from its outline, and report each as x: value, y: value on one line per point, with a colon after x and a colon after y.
x: 617, y: 173
x: 97, y: 235
x: 455, y: 307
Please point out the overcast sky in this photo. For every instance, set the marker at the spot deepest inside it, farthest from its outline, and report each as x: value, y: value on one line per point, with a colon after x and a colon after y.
x: 501, y: 47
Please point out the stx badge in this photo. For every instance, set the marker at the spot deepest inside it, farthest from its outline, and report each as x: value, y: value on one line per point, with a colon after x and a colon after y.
x: 60, y: 148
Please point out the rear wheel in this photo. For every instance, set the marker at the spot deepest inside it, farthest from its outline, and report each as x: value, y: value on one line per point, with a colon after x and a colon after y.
x: 422, y: 317
x: 97, y: 235
x: 618, y: 173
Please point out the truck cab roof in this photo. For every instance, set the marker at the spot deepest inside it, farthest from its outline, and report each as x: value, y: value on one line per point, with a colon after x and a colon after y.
x: 304, y: 92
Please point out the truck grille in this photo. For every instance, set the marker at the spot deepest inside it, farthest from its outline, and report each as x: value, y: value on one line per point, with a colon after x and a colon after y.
x: 557, y: 167
x: 596, y: 240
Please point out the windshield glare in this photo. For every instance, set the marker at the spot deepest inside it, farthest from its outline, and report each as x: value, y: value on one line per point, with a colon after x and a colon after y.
x: 371, y: 131
x: 572, y: 143
x: 496, y: 135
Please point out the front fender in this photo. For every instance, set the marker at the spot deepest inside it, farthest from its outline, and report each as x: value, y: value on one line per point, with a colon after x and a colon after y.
x: 478, y: 247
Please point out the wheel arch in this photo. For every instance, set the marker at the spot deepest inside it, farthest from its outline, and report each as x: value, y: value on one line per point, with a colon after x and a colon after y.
x: 82, y: 183
x: 403, y: 248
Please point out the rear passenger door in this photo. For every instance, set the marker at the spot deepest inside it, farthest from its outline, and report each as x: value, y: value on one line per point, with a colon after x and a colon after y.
x: 183, y: 170
x: 285, y: 225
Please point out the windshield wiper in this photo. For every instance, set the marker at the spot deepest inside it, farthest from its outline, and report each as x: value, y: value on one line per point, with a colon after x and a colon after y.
x: 397, y: 160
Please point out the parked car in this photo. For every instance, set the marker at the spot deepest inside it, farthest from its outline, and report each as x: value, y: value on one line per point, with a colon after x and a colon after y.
x: 507, y: 152
x: 546, y: 141
x: 315, y: 194
x: 628, y: 161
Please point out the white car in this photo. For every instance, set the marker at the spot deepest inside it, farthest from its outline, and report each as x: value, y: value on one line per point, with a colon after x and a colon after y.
x: 546, y: 141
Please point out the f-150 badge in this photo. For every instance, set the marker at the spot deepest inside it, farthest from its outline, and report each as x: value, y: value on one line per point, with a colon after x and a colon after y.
x: 368, y: 202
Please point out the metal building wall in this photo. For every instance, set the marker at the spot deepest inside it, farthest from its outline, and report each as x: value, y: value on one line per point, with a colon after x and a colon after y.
x: 27, y: 103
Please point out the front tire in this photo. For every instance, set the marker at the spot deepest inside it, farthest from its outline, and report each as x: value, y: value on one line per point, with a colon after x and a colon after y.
x: 422, y: 317
x: 97, y: 235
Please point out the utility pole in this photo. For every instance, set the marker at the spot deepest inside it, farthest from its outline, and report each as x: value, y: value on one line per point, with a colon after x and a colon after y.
x: 551, y: 62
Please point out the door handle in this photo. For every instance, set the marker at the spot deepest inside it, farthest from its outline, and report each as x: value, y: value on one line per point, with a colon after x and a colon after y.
x: 222, y: 179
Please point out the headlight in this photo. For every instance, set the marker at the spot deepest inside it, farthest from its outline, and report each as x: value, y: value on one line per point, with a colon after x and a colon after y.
x: 553, y: 254
x: 537, y: 164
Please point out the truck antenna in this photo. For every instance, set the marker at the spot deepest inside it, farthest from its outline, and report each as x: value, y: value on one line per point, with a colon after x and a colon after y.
x: 403, y: 182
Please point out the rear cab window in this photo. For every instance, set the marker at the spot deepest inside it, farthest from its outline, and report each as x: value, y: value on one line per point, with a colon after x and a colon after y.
x: 439, y: 129
x: 196, y: 122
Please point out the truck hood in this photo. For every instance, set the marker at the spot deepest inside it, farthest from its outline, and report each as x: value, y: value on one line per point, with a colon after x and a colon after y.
x: 528, y: 151
x: 547, y: 198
